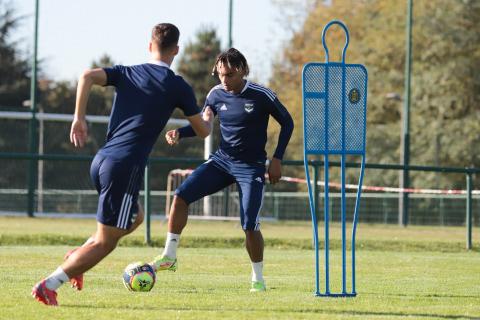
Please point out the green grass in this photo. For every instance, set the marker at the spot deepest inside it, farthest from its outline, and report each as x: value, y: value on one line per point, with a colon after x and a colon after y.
x: 213, y: 283
x: 201, y: 234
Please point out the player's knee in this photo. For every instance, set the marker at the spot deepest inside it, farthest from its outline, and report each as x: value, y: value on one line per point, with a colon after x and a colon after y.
x: 106, y: 245
x: 252, y: 233
x: 139, y: 218
x: 251, y: 228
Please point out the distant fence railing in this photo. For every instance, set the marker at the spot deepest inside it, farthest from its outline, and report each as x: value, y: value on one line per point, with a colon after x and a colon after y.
x: 381, y: 207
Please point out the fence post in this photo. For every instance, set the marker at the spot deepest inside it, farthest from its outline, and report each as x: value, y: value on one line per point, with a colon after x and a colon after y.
x: 226, y: 195
x: 33, y: 149
x: 468, y: 221
x: 146, y: 202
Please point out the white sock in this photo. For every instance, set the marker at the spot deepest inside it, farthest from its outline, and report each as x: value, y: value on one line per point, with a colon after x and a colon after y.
x: 56, y: 279
x: 257, y: 271
x: 171, y: 245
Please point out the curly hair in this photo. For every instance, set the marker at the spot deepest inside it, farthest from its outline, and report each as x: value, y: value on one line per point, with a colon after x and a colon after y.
x: 233, y: 59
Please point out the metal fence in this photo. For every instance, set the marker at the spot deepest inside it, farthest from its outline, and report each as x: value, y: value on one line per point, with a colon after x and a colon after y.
x: 425, y: 209
x: 16, y: 196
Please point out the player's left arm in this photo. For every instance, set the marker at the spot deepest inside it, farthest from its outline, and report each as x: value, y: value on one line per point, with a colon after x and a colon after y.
x: 283, y: 117
x: 79, y: 129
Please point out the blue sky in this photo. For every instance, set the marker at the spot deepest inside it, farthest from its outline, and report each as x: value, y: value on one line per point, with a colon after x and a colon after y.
x: 74, y: 33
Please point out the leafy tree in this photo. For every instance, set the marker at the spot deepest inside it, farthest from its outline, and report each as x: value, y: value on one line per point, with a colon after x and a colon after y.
x: 14, y: 69
x: 197, y: 60
x: 14, y: 90
x: 445, y: 79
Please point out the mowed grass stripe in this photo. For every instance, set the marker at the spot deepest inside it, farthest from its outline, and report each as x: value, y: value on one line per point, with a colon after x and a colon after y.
x: 228, y: 234
x: 237, y: 242
x: 213, y: 283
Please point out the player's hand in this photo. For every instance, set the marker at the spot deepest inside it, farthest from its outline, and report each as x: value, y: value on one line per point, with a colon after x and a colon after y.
x: 172, y: 137
x: 78, y: 132
x: 275, y: 170
x: 207, y: 115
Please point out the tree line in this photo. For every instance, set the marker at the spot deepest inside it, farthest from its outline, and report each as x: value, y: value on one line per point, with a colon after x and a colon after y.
x: 445, y: 108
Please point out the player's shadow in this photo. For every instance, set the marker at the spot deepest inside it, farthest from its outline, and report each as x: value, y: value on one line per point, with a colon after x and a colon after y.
x: 302, y: 311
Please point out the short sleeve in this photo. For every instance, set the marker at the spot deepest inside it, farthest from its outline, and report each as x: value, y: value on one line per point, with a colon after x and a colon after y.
x: 210, y: 101
x: 188, y: 102
x: 113, y: 75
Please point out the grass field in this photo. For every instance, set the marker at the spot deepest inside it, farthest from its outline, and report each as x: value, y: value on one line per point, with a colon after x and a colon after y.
x: 414, y: 273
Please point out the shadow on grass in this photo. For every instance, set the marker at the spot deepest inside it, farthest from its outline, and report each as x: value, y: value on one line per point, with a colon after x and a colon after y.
x: 270, y: 311
x: 427, y: 295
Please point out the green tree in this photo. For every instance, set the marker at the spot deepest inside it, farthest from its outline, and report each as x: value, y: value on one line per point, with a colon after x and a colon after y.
x: 197, y: 60
x: 445, y: 79
x: 59, y: 97
x: 14, y: 69
x: 14, y: 90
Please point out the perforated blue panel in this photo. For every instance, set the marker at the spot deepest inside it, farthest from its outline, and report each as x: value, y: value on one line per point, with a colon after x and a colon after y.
x: 335, y: 99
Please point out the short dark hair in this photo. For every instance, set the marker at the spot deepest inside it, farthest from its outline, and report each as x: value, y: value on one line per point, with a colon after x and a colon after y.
x: 233, y: 59
x: 165, y: 35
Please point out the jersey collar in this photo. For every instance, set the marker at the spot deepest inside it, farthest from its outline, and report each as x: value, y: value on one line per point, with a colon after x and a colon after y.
x: 247, y: 83
x: 159, y: 63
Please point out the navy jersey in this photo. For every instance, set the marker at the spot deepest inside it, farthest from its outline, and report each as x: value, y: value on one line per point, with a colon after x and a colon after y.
x: 145, y: 98
x: 244, y: 120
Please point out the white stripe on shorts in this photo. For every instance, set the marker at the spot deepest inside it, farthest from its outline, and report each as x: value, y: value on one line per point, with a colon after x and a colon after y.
x: 123, y: 223
x: 257, y: 221
x: 127, y: 201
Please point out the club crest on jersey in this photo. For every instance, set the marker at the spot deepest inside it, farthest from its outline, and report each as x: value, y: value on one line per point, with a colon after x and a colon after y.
x: 248, y: 107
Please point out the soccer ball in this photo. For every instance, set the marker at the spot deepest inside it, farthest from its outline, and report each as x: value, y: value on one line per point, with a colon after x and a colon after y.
x: 139, y: 277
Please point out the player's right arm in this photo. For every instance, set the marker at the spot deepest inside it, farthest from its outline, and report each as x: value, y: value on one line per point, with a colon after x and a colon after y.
x: 200, y: 125
x: 79, y: 129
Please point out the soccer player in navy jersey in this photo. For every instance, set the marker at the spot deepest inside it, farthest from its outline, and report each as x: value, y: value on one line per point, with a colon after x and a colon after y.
x: 146, y: 96
x: 243, y: 109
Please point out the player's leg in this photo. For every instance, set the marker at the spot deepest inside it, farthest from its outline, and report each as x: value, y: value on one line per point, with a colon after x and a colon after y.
x: 205, y: 180
x: 77, y: 281
x: 85, y: 257
x: 80, y: 261
x: 177, y: 220
x: 178, y: 215
x: 120, y: 185
x: 250, y: 183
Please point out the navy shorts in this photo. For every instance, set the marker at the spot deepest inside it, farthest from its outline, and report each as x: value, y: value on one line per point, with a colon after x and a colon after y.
x: 216, y: 174
x: 118, y: 184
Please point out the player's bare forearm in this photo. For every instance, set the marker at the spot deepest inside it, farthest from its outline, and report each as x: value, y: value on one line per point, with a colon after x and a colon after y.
x: 275, y: 170
x: 79, y: 128
x: 201, y: 124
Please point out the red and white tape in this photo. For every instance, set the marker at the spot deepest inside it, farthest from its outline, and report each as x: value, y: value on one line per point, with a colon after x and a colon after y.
x: 185, y: 172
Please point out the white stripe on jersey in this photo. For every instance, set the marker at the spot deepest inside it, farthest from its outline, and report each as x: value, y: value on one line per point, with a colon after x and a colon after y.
x: 263, y: 89
x: 218, y: 86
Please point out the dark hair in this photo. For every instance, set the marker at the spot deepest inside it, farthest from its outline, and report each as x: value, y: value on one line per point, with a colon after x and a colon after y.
x: 165, y: 35
x: 233, y: 59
